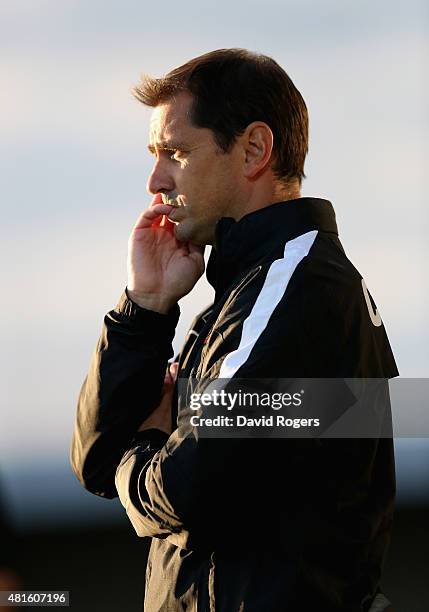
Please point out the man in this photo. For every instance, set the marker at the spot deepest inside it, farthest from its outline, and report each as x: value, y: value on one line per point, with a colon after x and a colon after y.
x: 237, y: 524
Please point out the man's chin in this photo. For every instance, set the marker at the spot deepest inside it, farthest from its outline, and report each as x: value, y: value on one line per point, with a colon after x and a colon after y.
x: 185, y: 231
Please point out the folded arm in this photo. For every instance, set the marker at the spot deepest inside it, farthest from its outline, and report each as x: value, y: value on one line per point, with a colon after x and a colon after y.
x: 123, y: 386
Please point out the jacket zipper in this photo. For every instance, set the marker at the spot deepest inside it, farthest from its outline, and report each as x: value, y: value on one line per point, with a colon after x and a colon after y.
x: 243, y: 283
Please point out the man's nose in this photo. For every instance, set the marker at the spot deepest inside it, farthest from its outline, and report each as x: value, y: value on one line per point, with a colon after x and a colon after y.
x: 159, y: 180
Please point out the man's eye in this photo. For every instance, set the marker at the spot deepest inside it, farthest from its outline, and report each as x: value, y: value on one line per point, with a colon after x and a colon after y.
x: 176, y: 155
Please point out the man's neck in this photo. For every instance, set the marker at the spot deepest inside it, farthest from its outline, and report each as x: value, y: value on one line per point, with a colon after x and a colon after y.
x: 265, y: 197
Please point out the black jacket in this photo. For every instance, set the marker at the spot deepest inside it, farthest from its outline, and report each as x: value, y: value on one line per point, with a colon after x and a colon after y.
x: 248, y: 524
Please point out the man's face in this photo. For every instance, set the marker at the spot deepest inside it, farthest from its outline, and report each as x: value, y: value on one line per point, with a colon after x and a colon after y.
x: 190, y: 168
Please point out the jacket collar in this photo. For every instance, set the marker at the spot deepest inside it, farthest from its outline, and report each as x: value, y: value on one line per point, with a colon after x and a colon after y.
x: 258, y: 236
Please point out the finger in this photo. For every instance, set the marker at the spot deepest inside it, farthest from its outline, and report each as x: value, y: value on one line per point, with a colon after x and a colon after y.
x: 157, y: 199
x: 151, y: 214
x: 167, y: 378
x: 173, y: 370
x: 164, y: 221
x: 166, y: 224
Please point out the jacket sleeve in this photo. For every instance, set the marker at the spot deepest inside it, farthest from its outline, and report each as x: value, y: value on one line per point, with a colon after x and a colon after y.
x: 122, y: 387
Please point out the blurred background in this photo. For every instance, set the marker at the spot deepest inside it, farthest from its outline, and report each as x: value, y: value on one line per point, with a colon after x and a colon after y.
x: 74, y: 166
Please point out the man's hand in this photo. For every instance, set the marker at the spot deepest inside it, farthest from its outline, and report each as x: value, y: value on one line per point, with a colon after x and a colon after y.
x: 160, y: 418
x: 161, y: 270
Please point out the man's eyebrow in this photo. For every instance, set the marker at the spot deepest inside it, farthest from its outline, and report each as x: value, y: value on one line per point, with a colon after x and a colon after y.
x: 166, y: 146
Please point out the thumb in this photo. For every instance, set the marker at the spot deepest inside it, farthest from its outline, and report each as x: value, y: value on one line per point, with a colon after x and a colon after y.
x: 174, y: 367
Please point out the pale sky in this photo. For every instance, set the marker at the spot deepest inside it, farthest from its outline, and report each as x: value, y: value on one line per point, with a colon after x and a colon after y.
x: 74, y: 168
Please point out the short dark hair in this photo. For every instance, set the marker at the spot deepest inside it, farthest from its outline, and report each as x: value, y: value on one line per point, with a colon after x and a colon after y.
x: 232, y: 88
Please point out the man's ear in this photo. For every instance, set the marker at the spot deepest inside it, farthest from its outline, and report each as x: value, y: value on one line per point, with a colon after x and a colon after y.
x: 257, y: 142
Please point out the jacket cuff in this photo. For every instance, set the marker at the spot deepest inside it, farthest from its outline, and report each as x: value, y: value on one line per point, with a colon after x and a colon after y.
x: 156, y: 437
x: 131, y: 312
x: 146, y: 442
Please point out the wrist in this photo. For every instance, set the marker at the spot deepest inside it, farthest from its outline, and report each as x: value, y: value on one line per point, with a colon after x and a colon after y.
x: 150, y: 301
